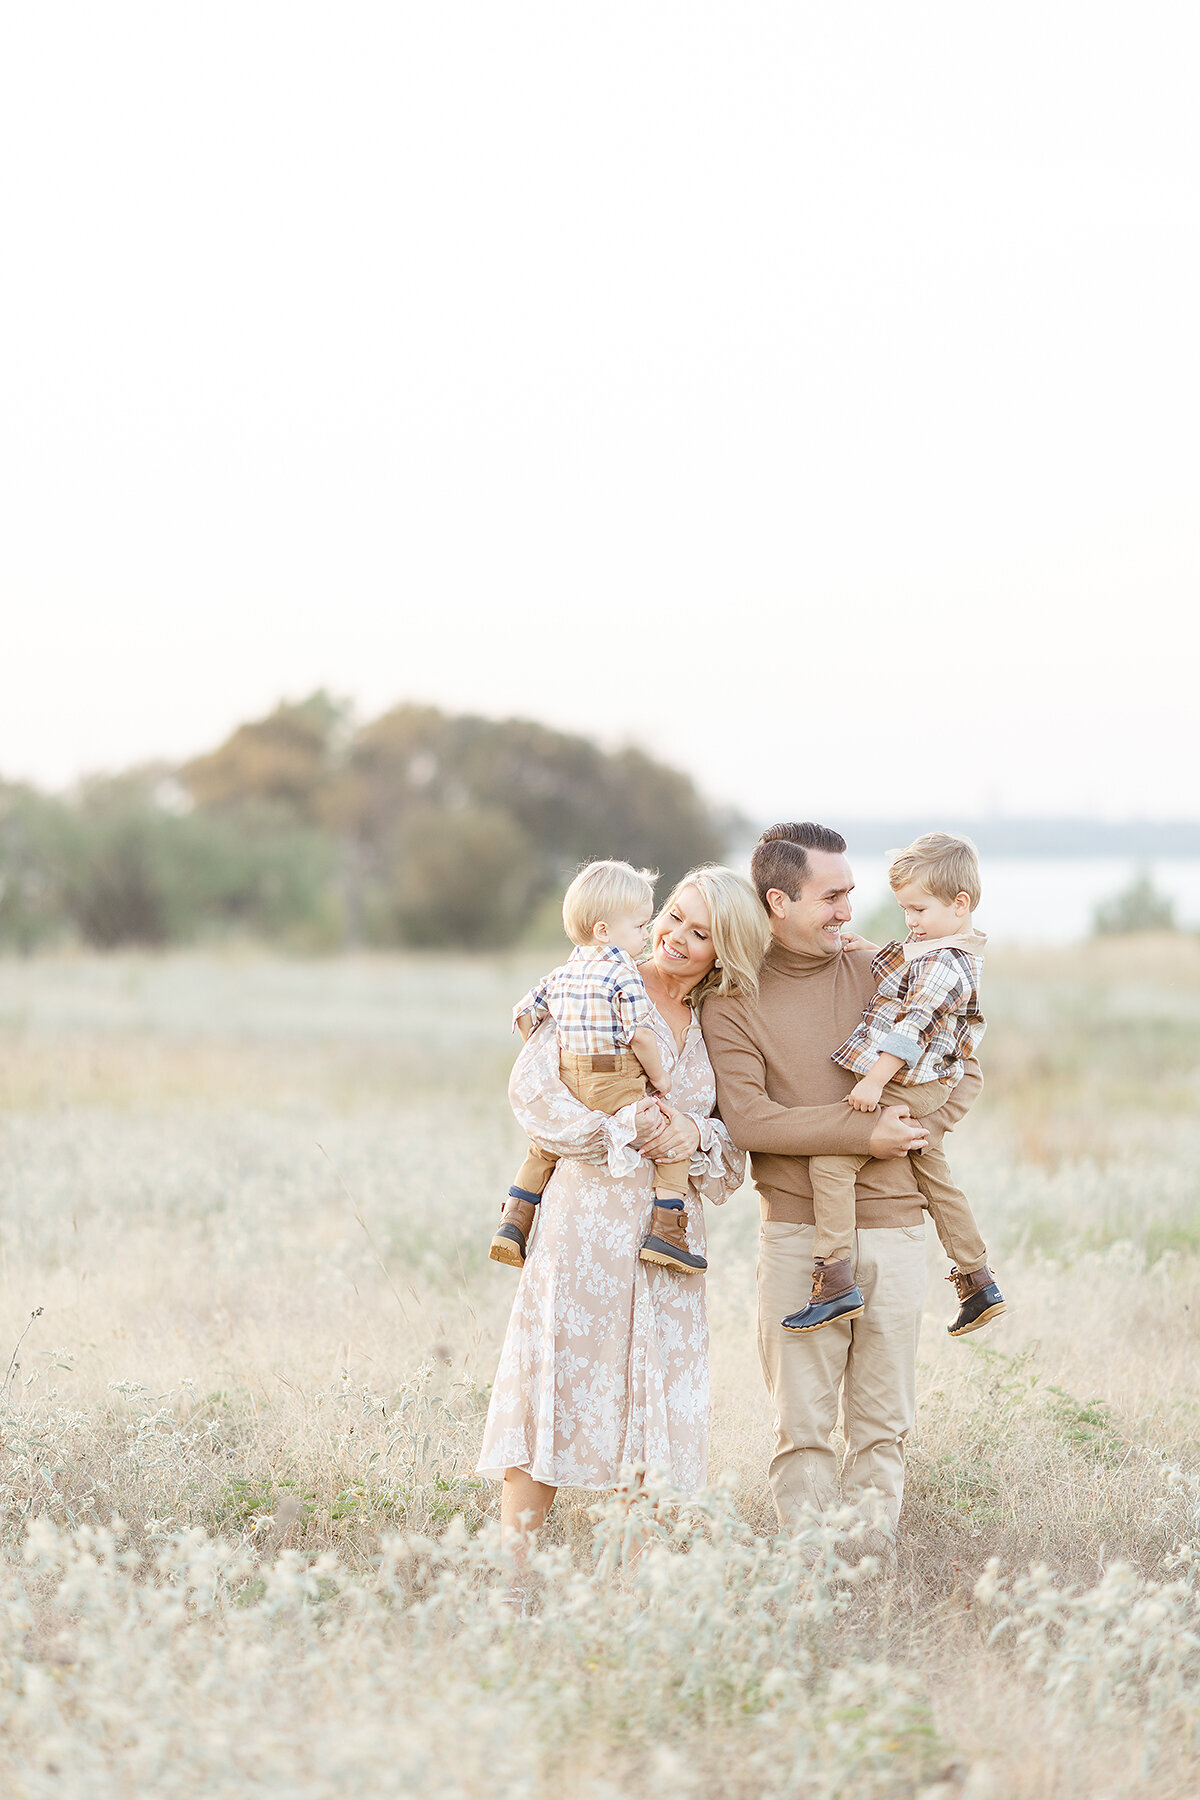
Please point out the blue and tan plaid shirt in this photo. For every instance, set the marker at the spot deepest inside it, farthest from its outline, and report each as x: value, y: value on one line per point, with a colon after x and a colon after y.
x: 596, y: 998
x: 925, y: 1010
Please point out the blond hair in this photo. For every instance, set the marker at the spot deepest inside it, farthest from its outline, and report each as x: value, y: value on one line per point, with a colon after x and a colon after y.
x: 943, y: 865
x: 738, y: 927
x: 603, y: 892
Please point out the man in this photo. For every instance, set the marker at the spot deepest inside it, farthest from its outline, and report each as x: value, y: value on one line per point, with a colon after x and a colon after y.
x: 783, y: 1100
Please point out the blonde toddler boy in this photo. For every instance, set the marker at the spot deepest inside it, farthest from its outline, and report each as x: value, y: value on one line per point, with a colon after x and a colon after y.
x: 607, y: 1048
x: 908, y: 1050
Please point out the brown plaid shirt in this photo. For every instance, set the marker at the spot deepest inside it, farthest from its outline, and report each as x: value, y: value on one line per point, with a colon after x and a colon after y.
x: 925, y: 1010
x: 596, y: 998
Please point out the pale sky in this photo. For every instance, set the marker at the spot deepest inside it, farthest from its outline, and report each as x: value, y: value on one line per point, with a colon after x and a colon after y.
x: 807, y: 392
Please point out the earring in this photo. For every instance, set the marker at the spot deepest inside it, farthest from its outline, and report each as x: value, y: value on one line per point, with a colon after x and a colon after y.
x: 716, y: 965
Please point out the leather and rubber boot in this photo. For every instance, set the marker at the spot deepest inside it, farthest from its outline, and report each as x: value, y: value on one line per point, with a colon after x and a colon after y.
x: 980, y: 1300
x: 835, y: 1295
x: 667, y: 1242
x: 512, y: 1233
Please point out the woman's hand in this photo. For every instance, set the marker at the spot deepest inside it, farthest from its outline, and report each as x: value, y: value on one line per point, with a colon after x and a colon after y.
x: 648, y: 1120
x: 678, y: 1135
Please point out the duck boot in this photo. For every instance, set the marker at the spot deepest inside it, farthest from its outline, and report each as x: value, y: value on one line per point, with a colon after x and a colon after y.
x: 980, y: 1300
x: 667, y: 1242
x: 512, y: 1233
x: 835, y: 1295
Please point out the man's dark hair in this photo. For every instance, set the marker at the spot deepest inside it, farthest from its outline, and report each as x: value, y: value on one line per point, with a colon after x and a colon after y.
x: 780, y: 858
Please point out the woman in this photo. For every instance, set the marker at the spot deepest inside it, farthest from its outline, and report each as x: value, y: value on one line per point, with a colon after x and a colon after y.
x: 605, y: 1361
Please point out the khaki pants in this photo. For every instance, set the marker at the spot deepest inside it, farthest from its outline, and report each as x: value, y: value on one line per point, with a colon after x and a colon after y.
x: 832, y: 1180
x: 604, y: 1084
x: 872, y: 1360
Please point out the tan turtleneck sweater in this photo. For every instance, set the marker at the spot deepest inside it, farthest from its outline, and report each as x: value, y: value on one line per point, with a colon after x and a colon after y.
x: 782, y: 1098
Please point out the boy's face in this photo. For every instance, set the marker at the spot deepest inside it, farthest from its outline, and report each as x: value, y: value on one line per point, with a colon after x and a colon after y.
x: 928, y: 917
x: 628, y: 931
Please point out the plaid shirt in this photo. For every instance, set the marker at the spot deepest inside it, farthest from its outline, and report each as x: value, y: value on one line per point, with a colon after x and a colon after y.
x: 596, y: 998
x: 925, y: 1010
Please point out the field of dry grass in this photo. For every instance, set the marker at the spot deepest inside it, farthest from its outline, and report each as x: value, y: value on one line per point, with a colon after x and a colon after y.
x: 243, y: 1548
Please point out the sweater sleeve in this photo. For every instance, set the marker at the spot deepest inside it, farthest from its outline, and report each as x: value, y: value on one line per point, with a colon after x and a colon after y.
x: 755, y: 1121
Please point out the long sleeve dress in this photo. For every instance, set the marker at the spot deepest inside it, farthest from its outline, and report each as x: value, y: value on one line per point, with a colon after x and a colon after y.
x: 605, y: 1360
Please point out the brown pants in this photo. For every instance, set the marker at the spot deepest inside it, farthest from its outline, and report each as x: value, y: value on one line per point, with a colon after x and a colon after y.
x: 832, y: 1180
x: 605, y: 1084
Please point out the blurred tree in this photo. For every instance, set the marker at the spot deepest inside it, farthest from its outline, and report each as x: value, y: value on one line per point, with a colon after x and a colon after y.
x: 284, y: 760
x: 1139, y: 907
x: 140, y: 871
x: 34, y: 832
x: 566, y: 798
x: 124, y: 879
x: 462, y: 878
x: 422, y: 828
x: 653, y: 816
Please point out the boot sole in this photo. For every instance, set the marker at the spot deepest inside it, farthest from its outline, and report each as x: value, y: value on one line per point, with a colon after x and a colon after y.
x: 991, y: 1313
x: 503, y: 1250
x: 669, y: 1262
x: 801, y: 1330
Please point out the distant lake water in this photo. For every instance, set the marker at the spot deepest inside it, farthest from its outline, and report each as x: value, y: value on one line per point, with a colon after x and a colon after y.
x: 1039, y: 900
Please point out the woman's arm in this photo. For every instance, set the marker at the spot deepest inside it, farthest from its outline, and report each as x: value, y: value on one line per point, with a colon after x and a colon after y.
x: 555, y: 1120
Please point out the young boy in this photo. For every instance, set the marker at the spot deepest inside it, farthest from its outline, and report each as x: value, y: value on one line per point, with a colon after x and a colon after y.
x: 606, y: 1046
x: 908, y: 1050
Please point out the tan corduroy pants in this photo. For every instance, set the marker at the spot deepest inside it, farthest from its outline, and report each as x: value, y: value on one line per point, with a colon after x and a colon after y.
x: 605, y: 1083
x: 870, y: 1361
x: 832, y: 1180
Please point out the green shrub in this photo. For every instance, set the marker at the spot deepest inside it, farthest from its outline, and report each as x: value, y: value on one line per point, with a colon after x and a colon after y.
x: 1139, y: 907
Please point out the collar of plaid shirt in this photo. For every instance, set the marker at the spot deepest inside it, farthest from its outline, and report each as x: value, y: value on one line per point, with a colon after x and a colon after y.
x: 973, y: 942
x: 598, y: 953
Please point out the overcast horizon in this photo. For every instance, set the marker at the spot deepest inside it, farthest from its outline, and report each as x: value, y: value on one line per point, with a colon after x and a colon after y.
x: 807, y: 395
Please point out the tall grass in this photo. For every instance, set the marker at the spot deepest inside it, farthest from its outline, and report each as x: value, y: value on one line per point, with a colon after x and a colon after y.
x: 242, y: 1546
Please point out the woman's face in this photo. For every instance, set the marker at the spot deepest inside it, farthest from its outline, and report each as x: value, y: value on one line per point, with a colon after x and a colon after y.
x: 681, y: 938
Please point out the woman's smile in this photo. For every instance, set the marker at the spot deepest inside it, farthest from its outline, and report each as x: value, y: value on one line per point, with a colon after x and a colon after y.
x: 682, y: 935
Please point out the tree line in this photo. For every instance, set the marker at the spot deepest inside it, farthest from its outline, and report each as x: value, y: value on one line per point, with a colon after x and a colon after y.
x: 421, y: 828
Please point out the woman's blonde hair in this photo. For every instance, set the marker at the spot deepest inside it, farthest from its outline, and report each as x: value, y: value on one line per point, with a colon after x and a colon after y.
x: 943, y: 865
x: 740, y: 933
x: 601, y: 893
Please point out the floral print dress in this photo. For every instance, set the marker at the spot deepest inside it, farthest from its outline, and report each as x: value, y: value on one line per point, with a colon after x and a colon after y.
x: 605, y: 1360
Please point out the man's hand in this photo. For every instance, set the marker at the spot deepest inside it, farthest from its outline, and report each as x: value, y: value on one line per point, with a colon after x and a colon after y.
x: 865, y: 1095
x: 896, y: 1134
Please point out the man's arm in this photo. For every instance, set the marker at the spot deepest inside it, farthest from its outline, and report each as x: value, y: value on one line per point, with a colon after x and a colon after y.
x: 756, y: 1122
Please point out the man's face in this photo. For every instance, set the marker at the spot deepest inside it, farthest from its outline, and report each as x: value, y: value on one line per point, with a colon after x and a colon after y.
x: 813, y: 920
